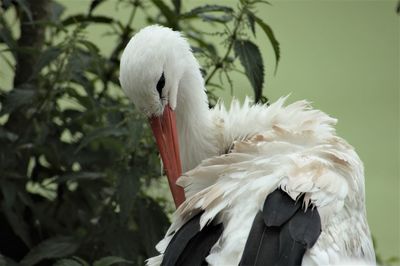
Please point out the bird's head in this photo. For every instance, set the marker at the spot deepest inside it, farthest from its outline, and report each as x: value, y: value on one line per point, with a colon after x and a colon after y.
x: 152, y: 67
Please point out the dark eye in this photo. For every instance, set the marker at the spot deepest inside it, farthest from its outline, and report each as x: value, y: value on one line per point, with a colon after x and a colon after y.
x: 161, y: 84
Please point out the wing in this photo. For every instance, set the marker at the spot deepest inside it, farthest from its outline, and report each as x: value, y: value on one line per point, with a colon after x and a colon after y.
x: 281, y: 233
x: 191, y: 245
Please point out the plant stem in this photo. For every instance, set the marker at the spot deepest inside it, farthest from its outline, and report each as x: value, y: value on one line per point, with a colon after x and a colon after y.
x: 220, y: 63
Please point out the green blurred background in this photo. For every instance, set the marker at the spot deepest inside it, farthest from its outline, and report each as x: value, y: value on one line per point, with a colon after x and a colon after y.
x: 343, y: 56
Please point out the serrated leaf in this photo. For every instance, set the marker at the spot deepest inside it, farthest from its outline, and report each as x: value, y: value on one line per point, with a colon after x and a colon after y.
x: 82, y: 18
x: 250, y: 58
x: 201, y: 10
x: 212, y: 18
x: 210, y: 8
x: 271, y: 36
x: 52, y: 248
x: 250, y: 19
x: 107, y: 261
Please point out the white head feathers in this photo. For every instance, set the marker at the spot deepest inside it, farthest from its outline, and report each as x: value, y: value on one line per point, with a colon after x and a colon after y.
x: 155, y: 51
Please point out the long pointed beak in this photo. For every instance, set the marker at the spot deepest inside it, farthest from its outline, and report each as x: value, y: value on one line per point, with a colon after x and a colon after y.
x: 165, y: 132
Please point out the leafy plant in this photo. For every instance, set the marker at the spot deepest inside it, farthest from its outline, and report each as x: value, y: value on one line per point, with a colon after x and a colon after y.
x: 77, y: 161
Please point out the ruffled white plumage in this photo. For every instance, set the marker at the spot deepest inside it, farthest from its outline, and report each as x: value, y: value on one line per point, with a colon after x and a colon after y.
x: 292, y: 147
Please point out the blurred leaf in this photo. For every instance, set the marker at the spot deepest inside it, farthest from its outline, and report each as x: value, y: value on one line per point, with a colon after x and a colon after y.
x: 203, y: 44
x: 94, y: 4
x: 101, y: 133
x: 9, y: 192
x: 127, y: 189
x: 6, y: 35
x: 107, y: 261
x: 80, y: 175
x: 25, y: 8
x: 56, y: 11
x: 46, y: 58
x: 24, y: 95
x: 250, y: 58
x: 52, y: 248
x: 177, y: 6
x: 7, y: 135
x: 67, y: 262
x: 90, y: 46
x: 5, y: 4
x: 82, y: 18
x: 151, y: 217
x: 19, y: 227
x: 392, y: 260
x: 171, y: 17
x: 275, y: 44
x: 7, y: 261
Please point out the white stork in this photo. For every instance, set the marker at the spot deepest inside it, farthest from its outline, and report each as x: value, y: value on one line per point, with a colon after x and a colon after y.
x: 264, y: 185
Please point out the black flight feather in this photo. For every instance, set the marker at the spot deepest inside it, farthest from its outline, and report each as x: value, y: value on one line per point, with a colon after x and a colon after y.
x: 180, y: 240
x: 190, y: 246
x: 281, y: 233
x: 200, y: 245
x: 278, y: 208
x: 264, y: 243
x: 305, y: 227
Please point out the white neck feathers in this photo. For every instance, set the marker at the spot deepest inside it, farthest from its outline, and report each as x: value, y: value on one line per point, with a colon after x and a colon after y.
x: 195, y: 127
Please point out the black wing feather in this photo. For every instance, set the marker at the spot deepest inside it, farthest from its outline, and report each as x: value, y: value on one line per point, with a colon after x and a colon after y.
x: 255, y: 252
x: 180, y: 240
x: 281, y: 233
x: 200, y: 245
x: 279, y: 208
x: 190, y: 246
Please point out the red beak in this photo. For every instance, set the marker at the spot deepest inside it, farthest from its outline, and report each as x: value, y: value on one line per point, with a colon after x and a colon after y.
x: 164, y: 130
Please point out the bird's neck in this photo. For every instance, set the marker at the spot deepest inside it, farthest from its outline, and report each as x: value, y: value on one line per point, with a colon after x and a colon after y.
x: 194, y: 121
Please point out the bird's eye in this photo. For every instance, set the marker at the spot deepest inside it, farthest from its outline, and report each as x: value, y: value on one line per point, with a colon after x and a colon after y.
x: 161, y: 84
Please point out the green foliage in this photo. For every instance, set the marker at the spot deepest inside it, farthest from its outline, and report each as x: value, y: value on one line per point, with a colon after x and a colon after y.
x: 77, y: 159
x: 251, y: 59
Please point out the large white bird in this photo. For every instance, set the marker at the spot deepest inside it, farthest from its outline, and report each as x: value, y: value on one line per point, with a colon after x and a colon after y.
x: 264, y: 185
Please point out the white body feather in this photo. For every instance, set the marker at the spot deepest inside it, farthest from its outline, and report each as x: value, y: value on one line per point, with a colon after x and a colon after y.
x: 293, y: 147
